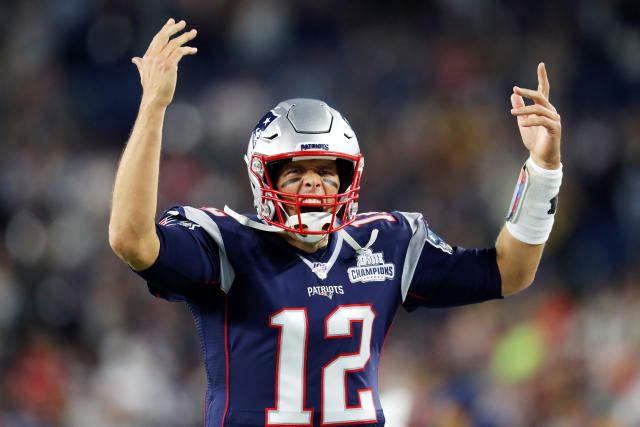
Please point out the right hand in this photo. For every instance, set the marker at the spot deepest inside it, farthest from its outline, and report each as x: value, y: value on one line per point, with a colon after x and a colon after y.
x: 158, y: 67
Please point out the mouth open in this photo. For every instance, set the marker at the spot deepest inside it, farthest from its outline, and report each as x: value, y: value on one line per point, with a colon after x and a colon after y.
x: 305, y: 209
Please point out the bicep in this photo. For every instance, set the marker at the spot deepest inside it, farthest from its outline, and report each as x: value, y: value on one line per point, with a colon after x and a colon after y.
x: 187, y: 262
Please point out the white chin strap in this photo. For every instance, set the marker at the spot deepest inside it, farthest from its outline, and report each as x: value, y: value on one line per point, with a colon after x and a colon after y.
x: 311, y: 221
x: 314, y: 221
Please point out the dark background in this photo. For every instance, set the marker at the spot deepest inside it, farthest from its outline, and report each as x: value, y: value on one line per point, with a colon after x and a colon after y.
x: 426, y: 87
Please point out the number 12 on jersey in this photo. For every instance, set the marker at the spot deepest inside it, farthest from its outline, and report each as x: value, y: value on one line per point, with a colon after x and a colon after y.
x: 290, y: 370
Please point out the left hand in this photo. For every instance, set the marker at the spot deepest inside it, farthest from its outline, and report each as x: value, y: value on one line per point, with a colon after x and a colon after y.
x: 539, y: 123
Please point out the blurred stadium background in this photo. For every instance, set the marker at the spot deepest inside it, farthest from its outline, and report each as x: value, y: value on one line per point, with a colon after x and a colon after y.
x: 425, y: 86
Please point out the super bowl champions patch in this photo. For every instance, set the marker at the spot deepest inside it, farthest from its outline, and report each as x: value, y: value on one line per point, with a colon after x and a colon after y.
x: 371, y: 268
x: 437, y: 242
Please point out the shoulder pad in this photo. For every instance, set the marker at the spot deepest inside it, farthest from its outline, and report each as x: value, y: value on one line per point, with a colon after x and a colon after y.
x: 373, y: 219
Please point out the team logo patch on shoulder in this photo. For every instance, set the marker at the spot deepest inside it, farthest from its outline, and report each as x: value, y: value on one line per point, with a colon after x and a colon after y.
x: 371, y: 268
x: 172, y: 220
x: 437, y: 242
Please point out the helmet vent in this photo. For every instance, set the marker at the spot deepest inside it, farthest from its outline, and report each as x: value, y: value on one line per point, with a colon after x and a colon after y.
x: 310, y: 117
x: 271, y: 137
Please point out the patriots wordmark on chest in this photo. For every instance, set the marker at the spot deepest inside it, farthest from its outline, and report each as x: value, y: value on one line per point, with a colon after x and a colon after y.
x: 370, y: 267
x: 325, y: 291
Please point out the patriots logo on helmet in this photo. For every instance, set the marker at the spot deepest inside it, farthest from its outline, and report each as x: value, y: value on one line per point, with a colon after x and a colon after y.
x: 304, y: 126
x: 264, y: 123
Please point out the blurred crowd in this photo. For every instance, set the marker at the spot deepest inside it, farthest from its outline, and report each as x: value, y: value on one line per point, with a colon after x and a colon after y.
x: 426, y: 88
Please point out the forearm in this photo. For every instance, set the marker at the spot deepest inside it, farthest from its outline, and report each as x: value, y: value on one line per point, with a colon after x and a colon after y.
x: 135, y: 193
x: 529, y: 222
x: 517, y: 262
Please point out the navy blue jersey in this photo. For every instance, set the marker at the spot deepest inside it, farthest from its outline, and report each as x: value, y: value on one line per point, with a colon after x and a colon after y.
x: 291, y: 338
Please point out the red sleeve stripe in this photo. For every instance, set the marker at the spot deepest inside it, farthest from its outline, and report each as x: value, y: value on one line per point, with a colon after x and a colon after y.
x: 416, y: 296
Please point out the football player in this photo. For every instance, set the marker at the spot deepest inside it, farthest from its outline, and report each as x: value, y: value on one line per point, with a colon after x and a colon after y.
x: 292, y: 304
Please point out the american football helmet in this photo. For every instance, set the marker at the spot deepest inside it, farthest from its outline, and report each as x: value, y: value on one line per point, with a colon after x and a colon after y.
x: 304, y: 129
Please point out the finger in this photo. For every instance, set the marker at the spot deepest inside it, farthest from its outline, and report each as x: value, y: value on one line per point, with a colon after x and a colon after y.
x: 516, y: 101
x: 137, y: 62
x: 536, y: 96
x: 534, y: 120
x: 539, y: 72
x: 535, y: 109
x: 543, y: 80
x: 177, y: 54
x: 154, y: 40
x: 162, y: 37
x: 179, y: 41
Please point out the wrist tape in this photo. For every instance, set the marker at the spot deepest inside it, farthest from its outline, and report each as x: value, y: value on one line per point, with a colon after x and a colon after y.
x: 534, y: 203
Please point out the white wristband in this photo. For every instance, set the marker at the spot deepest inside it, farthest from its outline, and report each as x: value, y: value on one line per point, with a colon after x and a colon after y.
x: 534, y: 203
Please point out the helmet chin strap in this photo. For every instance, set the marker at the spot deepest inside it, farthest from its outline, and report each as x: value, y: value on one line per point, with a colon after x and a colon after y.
x: 314, y: 221
x: 311, y: 221
x: 248, y: 222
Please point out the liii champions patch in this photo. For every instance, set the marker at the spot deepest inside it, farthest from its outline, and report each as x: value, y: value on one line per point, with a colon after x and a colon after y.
x: 371, y: 268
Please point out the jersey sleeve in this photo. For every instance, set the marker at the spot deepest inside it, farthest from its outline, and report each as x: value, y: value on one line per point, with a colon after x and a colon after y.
x: 448, y: 276
x: 188, y: 263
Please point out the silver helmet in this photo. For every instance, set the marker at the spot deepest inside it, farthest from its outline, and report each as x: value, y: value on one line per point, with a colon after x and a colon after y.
x: 303, y: 129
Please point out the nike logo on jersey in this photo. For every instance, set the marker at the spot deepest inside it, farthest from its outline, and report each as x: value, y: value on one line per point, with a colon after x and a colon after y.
x: 371, y: 267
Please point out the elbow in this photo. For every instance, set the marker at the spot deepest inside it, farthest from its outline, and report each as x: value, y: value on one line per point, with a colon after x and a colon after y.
x: 515, y: 284
x: 124, y: 241
x: 123, y: 245
x: 139, y: 252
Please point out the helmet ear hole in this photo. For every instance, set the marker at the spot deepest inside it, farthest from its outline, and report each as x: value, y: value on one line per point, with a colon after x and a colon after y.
x: 345, y: 173
x: 274, y: 168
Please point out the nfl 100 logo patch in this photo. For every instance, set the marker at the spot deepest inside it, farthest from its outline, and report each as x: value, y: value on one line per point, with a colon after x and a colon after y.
x: 321, y: 269
x: 371, y: 267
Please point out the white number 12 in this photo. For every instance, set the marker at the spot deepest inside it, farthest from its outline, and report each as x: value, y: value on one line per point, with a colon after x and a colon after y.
x: 290, y: 370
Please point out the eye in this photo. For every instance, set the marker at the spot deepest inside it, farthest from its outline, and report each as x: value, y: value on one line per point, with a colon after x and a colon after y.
x: 292, y: 171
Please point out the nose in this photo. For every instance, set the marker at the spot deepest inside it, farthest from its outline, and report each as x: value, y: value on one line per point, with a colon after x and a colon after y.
x: 311, y: 180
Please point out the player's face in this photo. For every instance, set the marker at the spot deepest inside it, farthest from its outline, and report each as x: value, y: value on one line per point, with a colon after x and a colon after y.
x: 313, y: 177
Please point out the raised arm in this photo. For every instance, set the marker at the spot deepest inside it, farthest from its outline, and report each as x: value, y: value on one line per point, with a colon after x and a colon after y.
x: 520, y: 243
x: 132, y: 234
